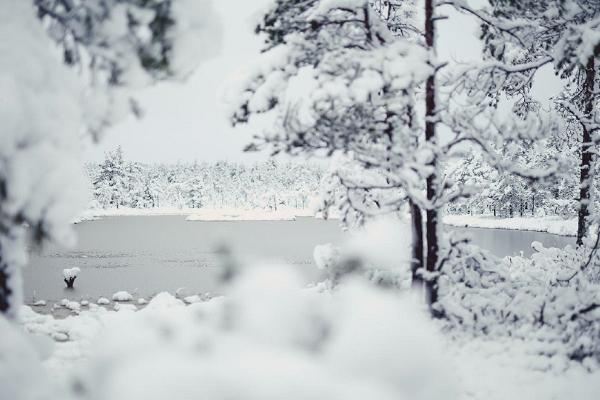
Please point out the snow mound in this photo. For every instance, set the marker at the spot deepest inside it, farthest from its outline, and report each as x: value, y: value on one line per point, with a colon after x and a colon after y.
x: 19, y: 362
x: 326, y: 255
x: 103, y: 301
x: 71, y: 305
x: 193, y: 299
x: 124, y: 307
x: 122, y: 296
x: 343, y: 344
x: 163, y: 300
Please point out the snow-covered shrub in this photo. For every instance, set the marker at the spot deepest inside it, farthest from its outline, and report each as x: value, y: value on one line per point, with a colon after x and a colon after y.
x: 565, y: 208
x: 270, y: 338
x: 69, y: 276
x: 379, y: 251
x: 552, y: 297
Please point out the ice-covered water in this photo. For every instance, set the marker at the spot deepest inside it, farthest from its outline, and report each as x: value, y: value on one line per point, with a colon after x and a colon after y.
x: 149, y: 254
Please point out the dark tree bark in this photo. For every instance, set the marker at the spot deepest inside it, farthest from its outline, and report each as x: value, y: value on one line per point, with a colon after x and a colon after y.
x: 431, y: 294
x: 5, y: 290
x: 586, y: 154
x: 70, y: 282
x: 417, y: 261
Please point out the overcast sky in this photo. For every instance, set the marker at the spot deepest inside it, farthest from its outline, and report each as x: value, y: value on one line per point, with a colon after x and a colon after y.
x: 187, y: 122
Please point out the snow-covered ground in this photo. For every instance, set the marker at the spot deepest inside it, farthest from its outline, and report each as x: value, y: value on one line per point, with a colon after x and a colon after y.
x: 186, y: 350
x: 202, y: 214
x: 554, y: 225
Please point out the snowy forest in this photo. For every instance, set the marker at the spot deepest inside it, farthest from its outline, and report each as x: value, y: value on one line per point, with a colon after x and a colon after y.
x: 117, y: 182
x: 449, y: 250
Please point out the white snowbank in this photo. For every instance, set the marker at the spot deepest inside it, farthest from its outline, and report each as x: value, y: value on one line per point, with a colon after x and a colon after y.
x: 122, y: 296
x: 353, y: 343
x: 19, y: 363
x: 201, y: 214
x: 232, y: 214
x: 554, y: 225
x: 103, y: 301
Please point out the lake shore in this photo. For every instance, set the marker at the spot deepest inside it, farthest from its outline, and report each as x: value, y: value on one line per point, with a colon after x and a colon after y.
x: 553, y: 225
x: 202, y: 214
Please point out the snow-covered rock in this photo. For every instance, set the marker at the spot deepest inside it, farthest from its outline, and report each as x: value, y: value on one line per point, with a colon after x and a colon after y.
x: 103, y: 301
x: 122, y: 296
x: 124, y: 307
x: 40, y: 303
x: 193, y: 299
x: 141, y: 301
x: 60, y: 336
x: 71, y: 305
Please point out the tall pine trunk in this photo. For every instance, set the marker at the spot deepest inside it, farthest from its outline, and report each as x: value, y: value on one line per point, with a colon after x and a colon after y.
x: 586, y: 154
x: 6, y: 292
x: 431, y: 294
x: 417, y: 259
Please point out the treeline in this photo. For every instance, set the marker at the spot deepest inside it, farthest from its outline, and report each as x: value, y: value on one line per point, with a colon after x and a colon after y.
x: 117, y: 182
x: 501, y: 193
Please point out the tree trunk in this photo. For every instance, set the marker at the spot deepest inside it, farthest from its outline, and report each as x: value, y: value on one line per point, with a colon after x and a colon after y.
x: 586, y: 154
x: 5, y: 290
x: 431, y: 294
x: 417, y: 261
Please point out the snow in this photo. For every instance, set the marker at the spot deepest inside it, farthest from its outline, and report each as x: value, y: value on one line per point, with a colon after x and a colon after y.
x: 193, y: 299
x: 554, y: 225
x: 124, y: 307
x: 40, y: 303
x: 196, y: 26
x: 122, y: 296
x: 103, y: 301
x: 204, y: 214
x: 70, y: 273
x: 326, y: 255
x: 71, y: 305
x: 232, y: 214
x: 351, y: 343
x: 19, y: 362
x: 42, y: 122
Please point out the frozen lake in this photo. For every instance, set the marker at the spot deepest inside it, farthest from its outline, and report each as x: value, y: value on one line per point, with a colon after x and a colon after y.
x: 149, y: 254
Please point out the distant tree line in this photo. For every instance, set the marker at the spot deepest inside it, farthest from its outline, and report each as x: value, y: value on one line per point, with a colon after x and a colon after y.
x: 117, y: 182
